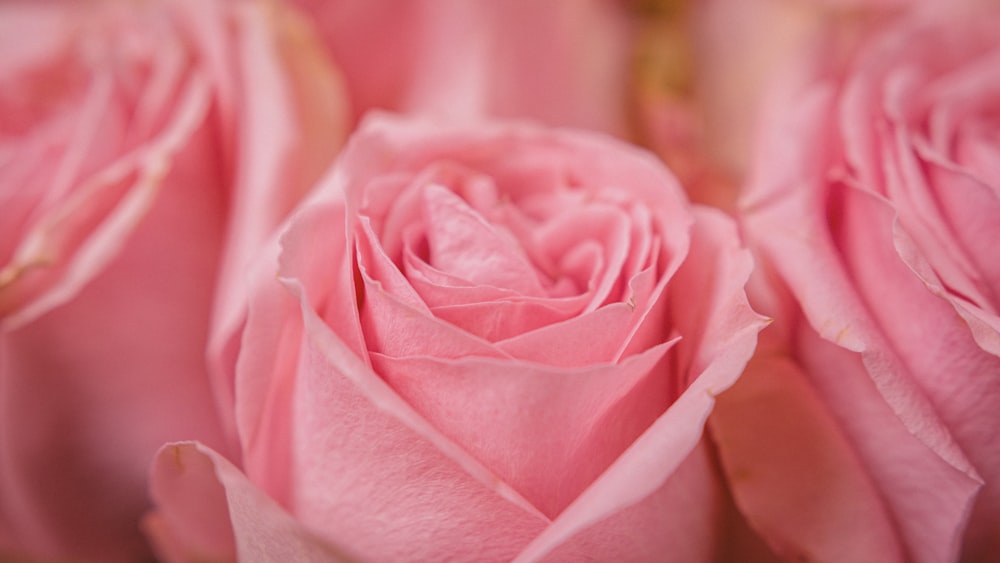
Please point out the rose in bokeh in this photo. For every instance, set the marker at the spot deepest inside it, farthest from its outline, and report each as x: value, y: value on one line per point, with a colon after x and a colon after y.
x: 560, y: 62
x: 875, y: 206
x: 489, y: 342
x: 701, y: 70
x: 145, y: 149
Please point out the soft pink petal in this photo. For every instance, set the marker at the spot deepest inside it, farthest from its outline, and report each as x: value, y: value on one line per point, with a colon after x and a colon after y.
x: 548, y: 432
x: 461, y: 242
x: 794, y: 474
x: 604, y: 331
x: 960, y: 379
x: 786, y: 216
x: 75, y: 240
x: 928, y: 496
x: 684, y: 519
x: 970, y: 205
x: 207, y: 510
x: 290, y: 123
x: 395, y: 320
x: 374, y: 476
x: 537, y: 162
x: 282, y: 132
x: 728, y: 329
x: 804, y: 256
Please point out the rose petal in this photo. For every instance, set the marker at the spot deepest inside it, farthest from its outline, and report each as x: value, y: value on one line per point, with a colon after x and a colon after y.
x: 461, y: 242
x: 729, y: 333
x: 792, y: 472
x: 547, y: 432
x: 285, y: 131
x: 208, y: 510
x: 376, y: 477
x: 960, y: 379
x: 79, y: 237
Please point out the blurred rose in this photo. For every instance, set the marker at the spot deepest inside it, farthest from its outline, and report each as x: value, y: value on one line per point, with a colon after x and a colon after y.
x: 138, y: 142
x: 701, y: 69
x: 561, y: 62
x: 499, y: 341
x: 875, y: 204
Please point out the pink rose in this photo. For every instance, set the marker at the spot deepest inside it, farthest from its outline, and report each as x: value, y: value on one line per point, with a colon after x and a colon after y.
x: 488, y: 343
x: 704, y: 67
x: 145, y: 149
x: 875, y: 206
x: 561, y: 62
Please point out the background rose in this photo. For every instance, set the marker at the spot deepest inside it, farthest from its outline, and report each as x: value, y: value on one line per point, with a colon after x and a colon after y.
x: 876, y: 206
x: 702, y: 69
x: 499, y: 340
x: 145, y: 148
x: 561, y: 62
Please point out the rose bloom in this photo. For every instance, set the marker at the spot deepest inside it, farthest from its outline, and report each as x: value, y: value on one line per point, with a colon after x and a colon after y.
x: 145, y: 148
x: 702, y: 68
x: 875, y: 207
x: 488, y: 342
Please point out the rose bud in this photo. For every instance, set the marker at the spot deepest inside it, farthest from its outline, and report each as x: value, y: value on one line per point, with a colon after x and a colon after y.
x: 488, y: 342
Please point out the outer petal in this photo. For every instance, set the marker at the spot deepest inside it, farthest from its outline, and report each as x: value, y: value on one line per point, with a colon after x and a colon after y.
x: 207, y: 510
x: 682, y: 520
x: 376, y: 477
x: 282, y: 113
x: 934, y: 344
x: 85, y: 228
x: 794, y: 474
x: 547, y: 431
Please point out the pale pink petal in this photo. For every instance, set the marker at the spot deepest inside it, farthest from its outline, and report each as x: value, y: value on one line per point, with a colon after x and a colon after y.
x: 376, y: 477
x: 462, y: 243
x: 404, y: 326
x: 801, y: 249
x: 684, y: 519
x: 75, y: 240
x: 728, y: 329
x: 939, y: 353
x: 283, y: 131
x: 794, y: 474
x: 373, y: 42
x: 290, y: 122
x: 559, y: 344
x: 548, y: 432
x: 207, y: 510
x: 929, y: 519
x: 785, y: 215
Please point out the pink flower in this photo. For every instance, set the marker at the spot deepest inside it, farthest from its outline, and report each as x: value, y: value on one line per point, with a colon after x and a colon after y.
x: 875, y: 205
x: 560, y: 62
x: 489, y: 342
x: 145, y: 149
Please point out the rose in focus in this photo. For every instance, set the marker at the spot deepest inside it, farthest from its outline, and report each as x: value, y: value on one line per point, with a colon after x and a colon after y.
x: 875, y: 207
x: 489, y: 342
x: 145, y: 149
